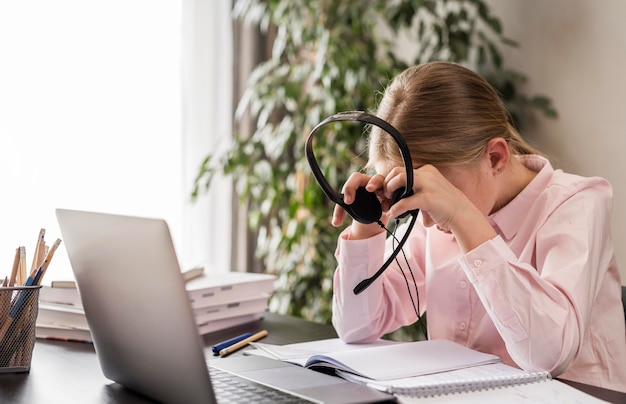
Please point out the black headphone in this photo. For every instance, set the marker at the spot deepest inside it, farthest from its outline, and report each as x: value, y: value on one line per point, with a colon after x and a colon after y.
x: 366, y: 207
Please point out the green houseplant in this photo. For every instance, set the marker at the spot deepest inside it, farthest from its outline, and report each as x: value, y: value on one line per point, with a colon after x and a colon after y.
x: 330, y: 56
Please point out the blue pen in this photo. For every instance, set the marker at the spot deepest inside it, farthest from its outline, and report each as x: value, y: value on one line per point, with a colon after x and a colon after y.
x: 225, y: 344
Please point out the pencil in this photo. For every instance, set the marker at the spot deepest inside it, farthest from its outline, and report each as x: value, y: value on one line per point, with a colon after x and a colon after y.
x: 46, y: 262
x: 243, y: 343
x: 40, y: 248
x: 16, y: 263
x: 21, y: 271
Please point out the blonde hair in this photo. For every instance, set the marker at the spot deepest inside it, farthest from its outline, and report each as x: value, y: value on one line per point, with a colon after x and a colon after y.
x: 446, y: 113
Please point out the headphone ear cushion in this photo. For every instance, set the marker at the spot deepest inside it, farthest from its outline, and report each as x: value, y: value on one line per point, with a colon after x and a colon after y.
x: 366, y: 207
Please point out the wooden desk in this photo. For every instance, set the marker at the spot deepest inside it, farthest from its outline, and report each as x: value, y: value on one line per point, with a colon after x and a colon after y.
x: 68, y: 372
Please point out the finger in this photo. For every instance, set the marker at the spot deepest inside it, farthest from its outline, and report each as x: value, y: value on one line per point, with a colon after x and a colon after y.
x: 398, y: 209
x: 339, y: 214
x: 395, y: 180
x: 404, y: 205
x: 375, y: 183
x: 355, y: 181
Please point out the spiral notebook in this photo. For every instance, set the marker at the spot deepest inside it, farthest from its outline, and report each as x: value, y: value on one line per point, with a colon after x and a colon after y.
x: 485, y: 384
x: 454, y: 381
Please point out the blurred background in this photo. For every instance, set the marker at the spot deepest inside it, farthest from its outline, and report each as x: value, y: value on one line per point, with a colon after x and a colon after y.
x: 131, y: 107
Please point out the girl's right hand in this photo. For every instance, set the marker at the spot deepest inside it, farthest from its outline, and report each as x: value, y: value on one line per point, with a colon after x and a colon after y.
x: 373, y: 184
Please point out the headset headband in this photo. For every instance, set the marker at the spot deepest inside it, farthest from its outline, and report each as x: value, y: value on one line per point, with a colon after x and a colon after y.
x: 366, y: 206
x: 361, y: 117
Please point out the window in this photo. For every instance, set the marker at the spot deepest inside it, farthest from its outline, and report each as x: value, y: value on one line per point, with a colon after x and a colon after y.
x: 93, y: 118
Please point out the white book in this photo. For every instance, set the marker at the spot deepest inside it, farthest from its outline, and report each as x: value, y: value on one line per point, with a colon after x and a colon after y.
x: 211, y: 289
x: 62, y: 322
x: 230, y: 309
x: 46, y: 331
x: 204, y: 289
x: 63, y: 316
x: 61, y: 292
x: 222, y: 324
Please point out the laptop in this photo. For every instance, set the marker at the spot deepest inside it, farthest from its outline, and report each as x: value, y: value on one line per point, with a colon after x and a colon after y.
x: 143, y: 327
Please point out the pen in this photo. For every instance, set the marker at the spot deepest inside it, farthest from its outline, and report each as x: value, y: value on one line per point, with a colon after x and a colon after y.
x: 243, y: 343
x: 225, y: 344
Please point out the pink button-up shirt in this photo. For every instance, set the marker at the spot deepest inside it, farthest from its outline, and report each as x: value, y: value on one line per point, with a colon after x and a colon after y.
x: 544, y: 294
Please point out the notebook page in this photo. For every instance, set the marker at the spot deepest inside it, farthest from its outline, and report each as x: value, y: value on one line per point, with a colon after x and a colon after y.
x: 552, y: 392
x: 298, y: 353
x: 407, y: 359
x: 474, y: 373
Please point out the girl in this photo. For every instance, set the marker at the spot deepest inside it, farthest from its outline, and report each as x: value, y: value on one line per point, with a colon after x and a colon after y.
x: 510, y: 257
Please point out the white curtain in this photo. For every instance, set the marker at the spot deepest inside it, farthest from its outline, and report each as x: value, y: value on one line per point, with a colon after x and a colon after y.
x: 207, y: 124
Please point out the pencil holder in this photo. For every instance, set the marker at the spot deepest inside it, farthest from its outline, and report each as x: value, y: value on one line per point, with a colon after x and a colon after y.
x: 18, y: 314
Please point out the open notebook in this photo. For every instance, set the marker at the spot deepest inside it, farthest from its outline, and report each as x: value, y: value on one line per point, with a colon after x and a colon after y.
x: 379, y: 360
x: 433, y: 371
x: 143, y: 327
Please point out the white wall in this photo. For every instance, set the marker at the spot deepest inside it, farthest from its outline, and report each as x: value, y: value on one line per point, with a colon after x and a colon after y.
x: 574, y: 51
x: 89, y: 116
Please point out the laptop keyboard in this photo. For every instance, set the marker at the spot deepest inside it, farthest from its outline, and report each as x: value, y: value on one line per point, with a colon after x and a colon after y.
x: 230, y: 388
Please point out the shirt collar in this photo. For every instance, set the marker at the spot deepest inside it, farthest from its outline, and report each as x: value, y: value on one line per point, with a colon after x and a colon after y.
x: 507, y: 220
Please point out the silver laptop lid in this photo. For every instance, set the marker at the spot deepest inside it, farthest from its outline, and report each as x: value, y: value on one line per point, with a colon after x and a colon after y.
x: 137, y: 307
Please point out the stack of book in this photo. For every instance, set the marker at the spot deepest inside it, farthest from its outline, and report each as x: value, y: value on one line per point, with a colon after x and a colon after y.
x: 61, y: 314
x: 228, y: 299
x: 219, y: 301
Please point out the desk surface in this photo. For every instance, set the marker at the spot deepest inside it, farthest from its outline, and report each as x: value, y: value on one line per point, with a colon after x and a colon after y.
x: 69, y: 372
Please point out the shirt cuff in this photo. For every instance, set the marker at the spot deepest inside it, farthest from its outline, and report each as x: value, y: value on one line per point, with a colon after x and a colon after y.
x: 484, y: 258
x: 360, y: 255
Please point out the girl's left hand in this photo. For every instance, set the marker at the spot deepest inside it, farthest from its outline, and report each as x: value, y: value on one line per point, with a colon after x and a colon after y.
x: 441, y: 203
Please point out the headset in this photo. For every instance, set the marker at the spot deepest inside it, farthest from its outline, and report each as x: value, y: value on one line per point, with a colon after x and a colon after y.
x: 366, y: 207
